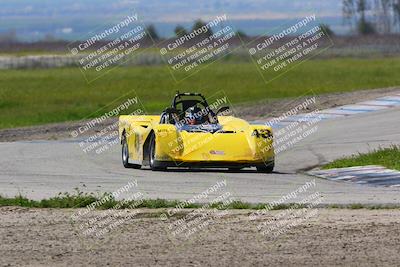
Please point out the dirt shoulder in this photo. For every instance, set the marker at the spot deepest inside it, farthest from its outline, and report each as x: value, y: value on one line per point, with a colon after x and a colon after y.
x: 333, y: 237
x: 254, y: 111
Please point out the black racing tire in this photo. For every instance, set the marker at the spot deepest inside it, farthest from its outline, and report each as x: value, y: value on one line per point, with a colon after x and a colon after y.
x: 154, y: 164
x: 267, y: 167
x: 125, y: 156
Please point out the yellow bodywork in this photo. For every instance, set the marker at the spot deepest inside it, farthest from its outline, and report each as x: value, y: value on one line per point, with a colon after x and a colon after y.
x: 237, y: 142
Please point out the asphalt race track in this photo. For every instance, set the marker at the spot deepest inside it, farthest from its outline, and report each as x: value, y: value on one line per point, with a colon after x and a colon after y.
x: 39, y: 169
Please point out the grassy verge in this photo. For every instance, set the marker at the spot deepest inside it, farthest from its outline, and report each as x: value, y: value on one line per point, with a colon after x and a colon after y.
x: 38, y: 52
x: 82, y: 200
x: 33, y: 97
x: 387, y: 157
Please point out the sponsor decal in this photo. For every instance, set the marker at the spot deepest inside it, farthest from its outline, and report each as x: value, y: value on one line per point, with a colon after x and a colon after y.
x: 217, y: 152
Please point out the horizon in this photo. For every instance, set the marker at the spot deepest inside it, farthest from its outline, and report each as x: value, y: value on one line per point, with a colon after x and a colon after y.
x: 68, y: 19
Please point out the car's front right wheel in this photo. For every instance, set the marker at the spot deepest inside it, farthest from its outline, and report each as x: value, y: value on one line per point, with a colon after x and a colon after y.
x: 154, y: 164
x: 267, y: 167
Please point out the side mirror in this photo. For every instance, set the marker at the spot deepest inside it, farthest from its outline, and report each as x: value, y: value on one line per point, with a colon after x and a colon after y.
x: 222, y: 110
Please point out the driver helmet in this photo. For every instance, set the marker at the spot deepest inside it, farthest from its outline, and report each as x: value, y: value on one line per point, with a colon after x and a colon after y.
x: 193, y: 115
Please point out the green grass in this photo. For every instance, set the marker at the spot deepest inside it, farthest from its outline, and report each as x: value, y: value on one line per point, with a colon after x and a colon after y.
x: 82, y: 200
x: 32, y: 97
x: 38, y: 52
x: 387, y: 157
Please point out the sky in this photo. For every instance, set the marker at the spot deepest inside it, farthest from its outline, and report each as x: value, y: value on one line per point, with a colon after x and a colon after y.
x: 69, y: 19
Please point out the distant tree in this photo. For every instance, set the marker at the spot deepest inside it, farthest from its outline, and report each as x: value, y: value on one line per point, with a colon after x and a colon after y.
x: 151, y: 31
x: 371, y: 16
x: 9, y: 36
x: 364, y: 27
x: 326, y: 29
x: 241, y: 34
x: 396, y: 13
x: 49, y: 38
x: 198, y: 24
x: 180, y: 31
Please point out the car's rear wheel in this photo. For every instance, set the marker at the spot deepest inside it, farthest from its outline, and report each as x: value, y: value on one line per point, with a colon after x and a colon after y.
x: 125, y: 156
x: 154, y: 164
x: 267, y: 167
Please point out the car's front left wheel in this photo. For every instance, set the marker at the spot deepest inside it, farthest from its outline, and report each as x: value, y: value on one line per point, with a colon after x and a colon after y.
x: 125, y: 156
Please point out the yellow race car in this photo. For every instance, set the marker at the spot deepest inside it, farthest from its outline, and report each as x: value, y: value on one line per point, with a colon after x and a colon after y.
x: 191, y: 134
